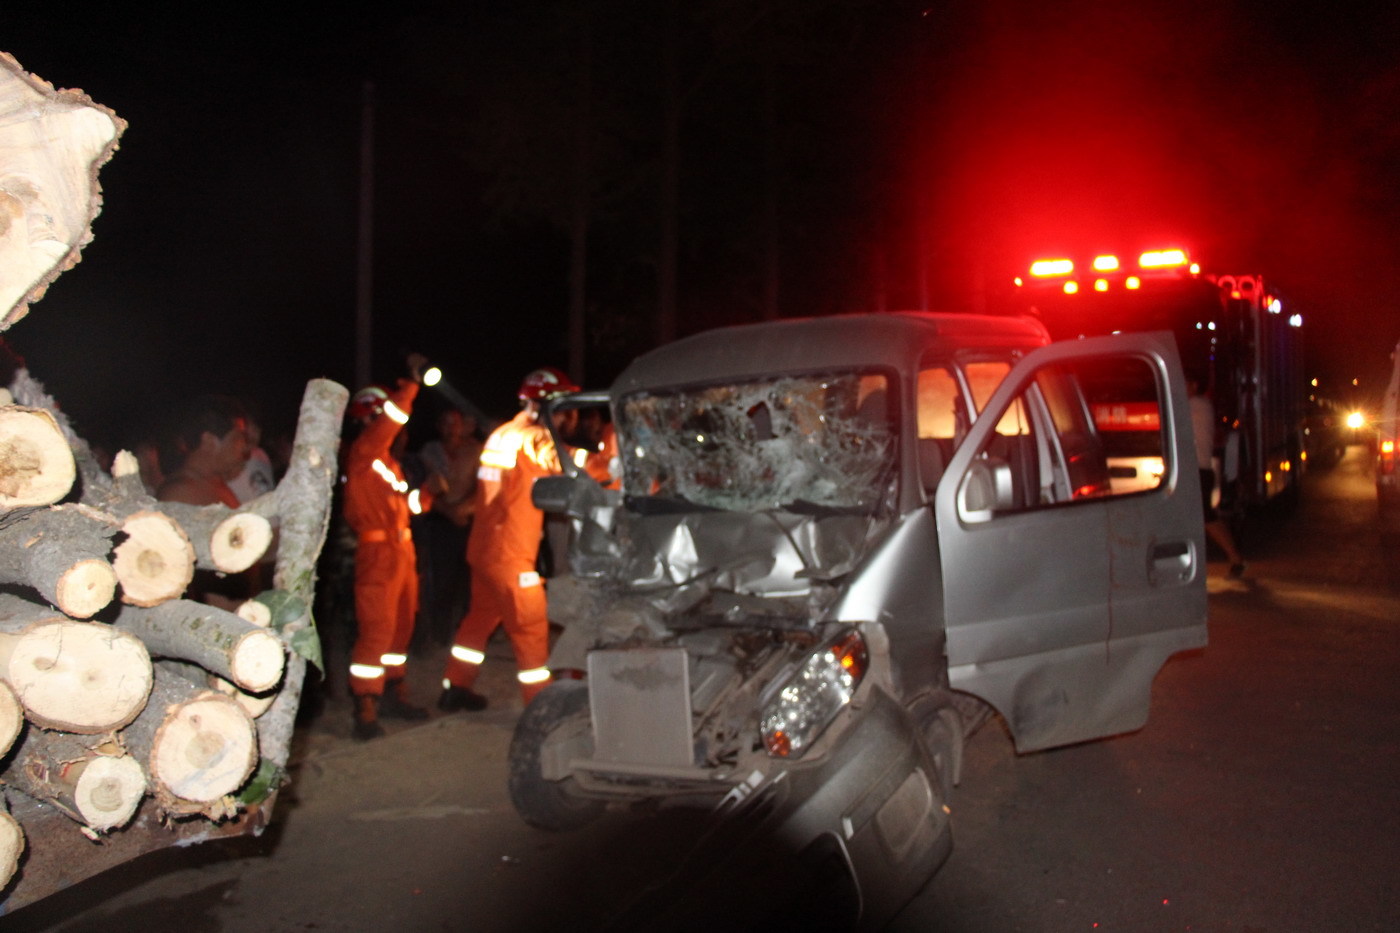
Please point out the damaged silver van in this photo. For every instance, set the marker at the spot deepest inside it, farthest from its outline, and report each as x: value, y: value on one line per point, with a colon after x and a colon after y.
x: 835, y: 544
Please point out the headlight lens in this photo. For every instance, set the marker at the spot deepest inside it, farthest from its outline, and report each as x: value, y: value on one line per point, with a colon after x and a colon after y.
x: 812, y: 697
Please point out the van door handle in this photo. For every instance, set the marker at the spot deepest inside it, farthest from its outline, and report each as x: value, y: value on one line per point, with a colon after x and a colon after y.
x: 1170, y: 563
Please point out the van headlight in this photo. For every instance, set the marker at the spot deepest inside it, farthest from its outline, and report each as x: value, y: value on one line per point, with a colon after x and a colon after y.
x: 800, y: 712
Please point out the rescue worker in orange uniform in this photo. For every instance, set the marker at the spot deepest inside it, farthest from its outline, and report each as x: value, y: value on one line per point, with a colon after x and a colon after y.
x: 506, y: 588
x: 378, y: 502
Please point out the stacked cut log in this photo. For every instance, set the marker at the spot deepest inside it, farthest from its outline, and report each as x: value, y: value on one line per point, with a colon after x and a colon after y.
x: 129, y: 716
x: 126, y: 708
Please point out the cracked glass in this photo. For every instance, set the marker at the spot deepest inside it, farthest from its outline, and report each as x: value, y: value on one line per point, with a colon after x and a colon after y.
x: 822, y: 441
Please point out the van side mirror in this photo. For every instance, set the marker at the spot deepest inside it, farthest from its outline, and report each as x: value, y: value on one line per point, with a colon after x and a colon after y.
x: 566, y: 495
x: 984, y: 490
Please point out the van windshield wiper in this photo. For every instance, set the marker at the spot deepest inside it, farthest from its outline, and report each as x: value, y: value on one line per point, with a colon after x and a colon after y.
x: 817, y: 510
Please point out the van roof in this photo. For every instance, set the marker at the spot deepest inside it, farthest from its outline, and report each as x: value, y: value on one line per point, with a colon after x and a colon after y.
x: 897, y: 339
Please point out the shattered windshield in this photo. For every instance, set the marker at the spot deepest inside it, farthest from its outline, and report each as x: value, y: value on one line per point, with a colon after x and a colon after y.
x: 794, y: 442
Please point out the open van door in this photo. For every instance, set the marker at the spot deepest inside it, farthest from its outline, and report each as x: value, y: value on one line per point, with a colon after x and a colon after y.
x: 1064, y: 592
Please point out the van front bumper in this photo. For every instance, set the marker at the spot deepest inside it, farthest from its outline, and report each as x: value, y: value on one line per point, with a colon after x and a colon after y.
x: 860, y: 830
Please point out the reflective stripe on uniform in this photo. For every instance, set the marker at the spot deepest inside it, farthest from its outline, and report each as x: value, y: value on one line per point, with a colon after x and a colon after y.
x: 379, y: 535
x: 386, y: 474
x: 502, y: 453
x: 393, y: 660
x: 395, y: 413
x: 366, y: 671
x: 415, y: 502
x: 528, y: 579
x: 469, y: 655
x: 536, y: 675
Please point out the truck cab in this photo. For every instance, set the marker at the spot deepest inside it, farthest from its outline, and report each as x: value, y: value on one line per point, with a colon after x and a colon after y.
x: 835, y: 544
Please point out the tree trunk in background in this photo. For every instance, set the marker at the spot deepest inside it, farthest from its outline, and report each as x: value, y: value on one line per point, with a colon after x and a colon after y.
x: 670, y: 181
x: 581, y: 203
x: 772, y: 240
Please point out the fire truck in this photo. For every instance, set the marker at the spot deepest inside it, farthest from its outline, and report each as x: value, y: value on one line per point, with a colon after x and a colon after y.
x: 1238, y: 339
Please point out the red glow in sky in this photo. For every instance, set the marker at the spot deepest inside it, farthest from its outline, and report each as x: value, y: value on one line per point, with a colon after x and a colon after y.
x: 1076, y: 127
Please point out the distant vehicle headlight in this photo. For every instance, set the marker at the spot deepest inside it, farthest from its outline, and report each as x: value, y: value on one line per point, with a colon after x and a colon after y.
x: 1356, y: 420
x: 800, y: 712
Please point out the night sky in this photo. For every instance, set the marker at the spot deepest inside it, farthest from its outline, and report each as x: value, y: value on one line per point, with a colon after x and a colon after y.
x: 846, y: 145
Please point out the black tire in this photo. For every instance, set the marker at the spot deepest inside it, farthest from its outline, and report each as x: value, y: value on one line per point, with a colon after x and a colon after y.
x: 551, y: 805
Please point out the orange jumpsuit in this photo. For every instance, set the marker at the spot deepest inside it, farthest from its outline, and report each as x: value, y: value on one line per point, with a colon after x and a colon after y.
x: 377, y: 507
x: 598, y: 463
x: 504, y: 544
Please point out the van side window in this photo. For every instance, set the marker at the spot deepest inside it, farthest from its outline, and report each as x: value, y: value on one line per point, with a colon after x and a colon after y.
x: 983, y: 377
x: 1076, y: 432
x: 942, y: 421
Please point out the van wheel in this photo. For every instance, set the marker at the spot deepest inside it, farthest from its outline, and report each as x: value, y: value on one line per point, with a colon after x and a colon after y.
x: 944, y: 732
x: 559, y: 711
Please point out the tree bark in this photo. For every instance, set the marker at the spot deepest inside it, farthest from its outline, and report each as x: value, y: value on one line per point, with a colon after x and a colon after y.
x: 216, y: 640
x: 62, y: 553
x: 155, y: 562
x: 36, y: 463
x: 253, y: 704
x: 90, y: 779
x: 198, y: 746
x: 303, y: 500
x: 83, y: 677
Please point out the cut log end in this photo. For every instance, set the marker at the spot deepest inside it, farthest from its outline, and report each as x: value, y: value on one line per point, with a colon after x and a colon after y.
x: 36, y: 462
x: 258, y: 661
x: 204, y: 749
x: 155, y: 562
x: 11, y: 718
x: 125, y: 464
x: 11, y: 847
x: 240, y: 541
x: 86, y: 588
x: 82, y: 677
x: 255, y: 611
x: 109, y: 790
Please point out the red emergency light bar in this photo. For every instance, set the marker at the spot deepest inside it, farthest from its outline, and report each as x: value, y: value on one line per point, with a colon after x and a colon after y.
x: 1048, y: 267
x: 1150, y: 263
x: 1163, y: 259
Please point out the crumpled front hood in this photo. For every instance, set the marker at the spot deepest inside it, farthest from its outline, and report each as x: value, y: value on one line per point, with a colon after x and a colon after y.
x: 768, y: 554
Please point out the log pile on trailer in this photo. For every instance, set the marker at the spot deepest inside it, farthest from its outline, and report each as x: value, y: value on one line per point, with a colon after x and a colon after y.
x: 131, y: 718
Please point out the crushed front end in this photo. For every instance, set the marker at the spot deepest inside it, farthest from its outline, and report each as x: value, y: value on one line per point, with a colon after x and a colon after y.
x: 718, y: 674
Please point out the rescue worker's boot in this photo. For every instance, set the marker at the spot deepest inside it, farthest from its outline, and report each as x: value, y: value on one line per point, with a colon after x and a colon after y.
x: 460, y: 698
x: 395, y: 705
x: 367, y: 718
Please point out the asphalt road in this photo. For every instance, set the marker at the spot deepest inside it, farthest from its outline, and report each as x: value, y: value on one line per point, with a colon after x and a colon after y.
x: 1263, y: 795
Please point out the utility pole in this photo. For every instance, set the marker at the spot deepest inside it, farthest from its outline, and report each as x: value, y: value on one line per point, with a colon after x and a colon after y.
x: 364, y: 252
